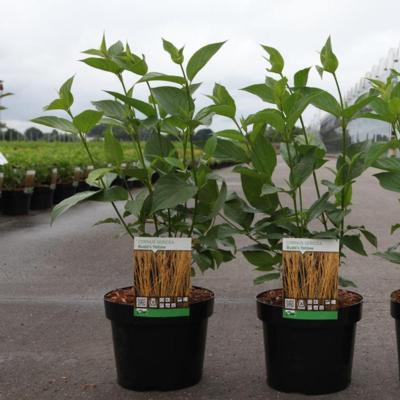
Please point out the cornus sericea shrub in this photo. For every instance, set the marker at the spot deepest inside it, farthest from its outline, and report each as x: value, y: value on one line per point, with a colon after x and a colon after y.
x: 262, y: 215
x: 187, y: 196
x: 386, y: 107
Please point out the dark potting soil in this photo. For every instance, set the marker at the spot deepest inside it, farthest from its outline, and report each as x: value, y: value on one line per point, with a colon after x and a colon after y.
x: 275, y: 298
x: 127, y: 295
x: 395, y: 297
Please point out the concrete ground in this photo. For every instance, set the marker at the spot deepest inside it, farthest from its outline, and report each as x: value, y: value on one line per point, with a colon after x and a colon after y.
x: 55, y: 342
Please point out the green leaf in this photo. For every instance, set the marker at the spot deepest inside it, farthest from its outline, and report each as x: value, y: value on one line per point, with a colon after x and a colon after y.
x: 225, y: 110
x: 176, y: 55
x: 158, y: 76
x: 173, y: 100
x: 114, y: 193
x: 134, y: 207
x: 263, y: 155
x: 238, y: 211
x: 301, y: 78
x: 66, y: 204
x: 231, y: 134
x: 200, y: 58
x: 108, y: 221
x: 375, y: 151
x: 370, y: 237
x: 268, y: 116
x: 221, y: 97
x: 361, y: 103
x: 112, y: 148
x: 260, y: 258
x: 220, y: 201
x: 304, y: 167
x: 210, y: 147
x: 391, y: 164
x: 57, y: 104
x: 346, y: 283
x: 264, y: 92
x: 95, y: 175
x: 65, y: 92
x: 157, y: 146
x: 389, y: 180
x: 139, y: 105
x: 322, y: 100
x: 252, y: 182
x: 275, y: 59
x: 390, y: 255
x: 318, y: 207
x: 170, y: 191
x: 110, y: 108
x: 328, y: 59
x: 87, y: 120
x: 103, y: 64
x: 353, y: 242
x: 394, y: 228
x: 229, y: 151
x: 267, y: 277
x: 175, y: 162
x: 270, y: 189
x: 56, y: 122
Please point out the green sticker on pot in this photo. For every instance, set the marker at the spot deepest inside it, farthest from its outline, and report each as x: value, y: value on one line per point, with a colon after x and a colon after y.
x: 164, y: 307
x: 310, y: 309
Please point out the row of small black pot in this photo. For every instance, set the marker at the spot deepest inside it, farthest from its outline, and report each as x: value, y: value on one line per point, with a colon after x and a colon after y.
x: 44, y: 197
x: 302, y: 356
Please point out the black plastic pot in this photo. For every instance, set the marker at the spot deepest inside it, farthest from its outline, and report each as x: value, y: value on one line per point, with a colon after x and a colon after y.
x: 42, y: 198
x: 82, y: 187
x: 310, y: 357
x: 159, y: 353
x: 63, y: 191
x: 395, y: 312
x: 15, y: 202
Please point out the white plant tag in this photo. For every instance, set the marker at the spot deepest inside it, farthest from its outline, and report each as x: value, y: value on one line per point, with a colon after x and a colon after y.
x: 3, y: 159
x: 162, y: 243
x: 303, y: 245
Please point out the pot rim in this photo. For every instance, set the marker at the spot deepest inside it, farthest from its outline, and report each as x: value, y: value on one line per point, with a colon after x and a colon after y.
x: 281, y: 307
x: 212, y: 297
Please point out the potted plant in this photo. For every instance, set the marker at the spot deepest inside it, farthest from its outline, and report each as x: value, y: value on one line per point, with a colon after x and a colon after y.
x: 67, y: 182
x: 16, y: 191
x: 308, y: 356
x: 45, y: 184
x: 161, y: 352
x: 386, y: 108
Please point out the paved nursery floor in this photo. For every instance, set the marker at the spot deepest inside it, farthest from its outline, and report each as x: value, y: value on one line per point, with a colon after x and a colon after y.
x: 55, y: 342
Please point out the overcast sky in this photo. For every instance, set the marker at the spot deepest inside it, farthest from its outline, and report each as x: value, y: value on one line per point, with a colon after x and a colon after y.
x: 41, y: 41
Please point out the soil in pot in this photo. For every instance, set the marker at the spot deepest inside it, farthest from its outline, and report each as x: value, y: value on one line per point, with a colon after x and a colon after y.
x: 308, y: 356
x: 395, y: 312
x: 42, y: 197
x: 158, y: 353
x: 63, y: 191
x: 16, y: 202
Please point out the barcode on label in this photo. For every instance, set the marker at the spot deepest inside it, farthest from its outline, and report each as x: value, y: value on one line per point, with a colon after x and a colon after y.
x: 290, y: 304
x: 141, y: 302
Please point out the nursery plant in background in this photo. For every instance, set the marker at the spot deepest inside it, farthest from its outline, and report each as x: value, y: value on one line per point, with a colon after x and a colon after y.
x: 386, y: 107
x: 179, y: 203
x: 297, y: 355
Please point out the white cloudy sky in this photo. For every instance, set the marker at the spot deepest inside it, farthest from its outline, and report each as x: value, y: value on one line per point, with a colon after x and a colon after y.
x: 41, y: 40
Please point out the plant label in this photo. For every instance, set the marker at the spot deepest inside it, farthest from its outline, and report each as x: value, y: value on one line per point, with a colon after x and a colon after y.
x: 3, y: 159
x: 162, y: 276
x: 310, y: 278
x: 29, y: 181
